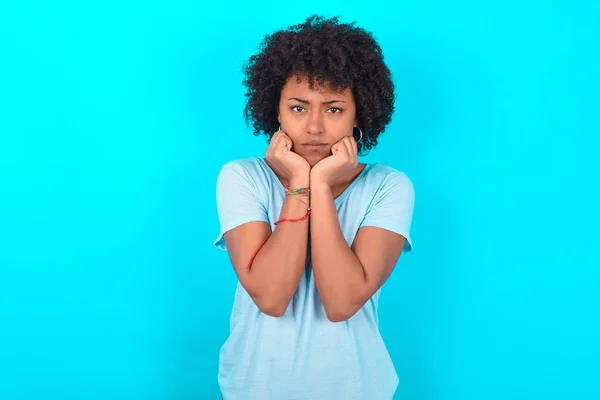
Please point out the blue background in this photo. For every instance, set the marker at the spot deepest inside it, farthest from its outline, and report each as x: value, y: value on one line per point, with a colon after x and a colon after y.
x: 115, y: 118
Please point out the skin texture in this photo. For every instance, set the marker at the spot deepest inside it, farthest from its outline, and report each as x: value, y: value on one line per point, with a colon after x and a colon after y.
x: 346, y: 276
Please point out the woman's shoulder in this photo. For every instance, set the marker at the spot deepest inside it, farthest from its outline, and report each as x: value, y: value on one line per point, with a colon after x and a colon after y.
x: 248, y: 165
x: 385, y: 184
x: 384, y: 174
x: 253, y: 169
x: 248, y: 162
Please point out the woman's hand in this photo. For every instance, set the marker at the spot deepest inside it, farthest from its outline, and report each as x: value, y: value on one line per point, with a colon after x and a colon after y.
x: 344, y: 159
x: 280, y: 155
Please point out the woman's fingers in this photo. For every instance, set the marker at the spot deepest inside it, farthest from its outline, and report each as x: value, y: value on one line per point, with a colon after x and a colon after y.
x: 335, y: 148
x: 273, y: 143
x: 280, y: 145
x: 287, y: 142
x: 353, y: 145
x: 350, y: 150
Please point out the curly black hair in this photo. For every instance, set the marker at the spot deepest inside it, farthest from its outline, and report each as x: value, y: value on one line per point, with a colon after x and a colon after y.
x: 330, y: 53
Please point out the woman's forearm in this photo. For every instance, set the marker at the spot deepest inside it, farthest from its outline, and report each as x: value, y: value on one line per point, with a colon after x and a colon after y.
x: 338, y: 273
x: 278, y: 266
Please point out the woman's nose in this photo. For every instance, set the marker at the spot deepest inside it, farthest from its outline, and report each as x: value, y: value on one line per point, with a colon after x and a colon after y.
x: 315, y: 124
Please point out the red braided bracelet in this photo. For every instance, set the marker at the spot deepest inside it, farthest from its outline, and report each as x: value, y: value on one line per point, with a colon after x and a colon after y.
x: 295, y: 219
x: 276, y: 222
x: 288, y: 192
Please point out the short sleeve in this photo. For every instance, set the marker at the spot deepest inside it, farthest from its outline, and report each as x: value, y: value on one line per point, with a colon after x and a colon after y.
x: 392, y: 208
x: 237, y: 200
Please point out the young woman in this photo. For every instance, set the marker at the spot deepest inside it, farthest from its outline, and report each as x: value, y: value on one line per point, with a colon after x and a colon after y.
x: 312, y: 233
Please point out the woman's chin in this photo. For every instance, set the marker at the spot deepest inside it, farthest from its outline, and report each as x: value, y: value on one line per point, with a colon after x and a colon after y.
x: 313, y: 159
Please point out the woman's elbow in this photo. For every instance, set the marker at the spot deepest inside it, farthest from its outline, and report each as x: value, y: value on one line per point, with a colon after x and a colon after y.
x: 340, y: 314
x: 273, y: 311
x: 274, y: 307
x: 268, y: 301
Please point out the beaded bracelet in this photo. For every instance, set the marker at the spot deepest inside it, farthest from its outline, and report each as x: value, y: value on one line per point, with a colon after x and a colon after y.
x: 295, y: 193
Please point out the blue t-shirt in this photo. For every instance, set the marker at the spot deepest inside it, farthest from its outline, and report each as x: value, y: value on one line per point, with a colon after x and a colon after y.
x: 302, y: 355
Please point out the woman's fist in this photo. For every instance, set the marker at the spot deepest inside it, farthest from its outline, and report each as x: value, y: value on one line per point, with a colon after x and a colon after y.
x: 280, y: 155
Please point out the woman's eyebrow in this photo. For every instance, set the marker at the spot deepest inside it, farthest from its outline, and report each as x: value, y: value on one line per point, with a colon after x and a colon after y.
x: 306, y: 101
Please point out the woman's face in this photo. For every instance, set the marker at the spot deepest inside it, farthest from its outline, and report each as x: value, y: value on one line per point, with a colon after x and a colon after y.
x: 315, y: 119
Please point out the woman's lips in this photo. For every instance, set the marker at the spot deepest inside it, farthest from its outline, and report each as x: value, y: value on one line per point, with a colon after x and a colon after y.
x: 314, y: 145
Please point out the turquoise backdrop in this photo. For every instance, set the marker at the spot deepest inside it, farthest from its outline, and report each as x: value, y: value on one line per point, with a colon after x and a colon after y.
x: 115, y: 118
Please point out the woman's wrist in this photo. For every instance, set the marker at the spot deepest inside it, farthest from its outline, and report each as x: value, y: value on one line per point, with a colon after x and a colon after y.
x: 299, y: 181
x: 318, y: 186
x: 317, y: 180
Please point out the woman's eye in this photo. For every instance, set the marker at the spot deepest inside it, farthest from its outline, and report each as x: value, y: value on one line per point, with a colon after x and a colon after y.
x: 335, y: 110
x: 297, y: 108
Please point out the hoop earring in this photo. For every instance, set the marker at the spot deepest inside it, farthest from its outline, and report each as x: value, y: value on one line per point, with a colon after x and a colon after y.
x: 361, y: 134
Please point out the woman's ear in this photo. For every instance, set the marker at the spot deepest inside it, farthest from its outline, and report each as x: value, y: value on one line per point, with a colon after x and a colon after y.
x: 278, y: 115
